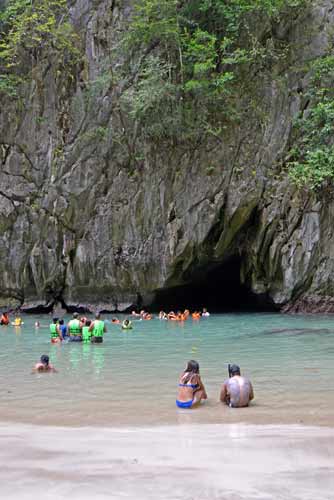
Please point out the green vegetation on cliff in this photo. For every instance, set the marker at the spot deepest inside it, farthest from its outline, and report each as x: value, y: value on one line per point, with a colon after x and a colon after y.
x: 29, y: 31
x: 189, y: 59
x: 312, y: 163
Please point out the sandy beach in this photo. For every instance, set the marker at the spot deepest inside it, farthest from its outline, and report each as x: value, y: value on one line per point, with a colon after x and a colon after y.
x: 225, y: 462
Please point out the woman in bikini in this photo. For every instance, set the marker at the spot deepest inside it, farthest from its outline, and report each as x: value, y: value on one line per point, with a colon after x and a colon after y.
x: 191, y: 388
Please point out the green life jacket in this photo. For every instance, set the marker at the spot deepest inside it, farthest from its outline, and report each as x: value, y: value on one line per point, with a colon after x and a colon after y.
x: 74, y: 327
x: 98, y: 329
x: 86, y: 334
x: 53, y: 331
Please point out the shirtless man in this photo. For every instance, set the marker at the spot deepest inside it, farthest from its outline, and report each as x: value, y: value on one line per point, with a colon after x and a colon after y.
x: 237, y: 391
x: 43, y: 365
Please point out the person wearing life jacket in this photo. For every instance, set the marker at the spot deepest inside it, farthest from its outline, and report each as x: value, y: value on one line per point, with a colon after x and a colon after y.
x: 196, y: 315
x: 43, y: 365
x: 171, y: 315
x: 126, y: 325
x: 74, y: 329
x: 86, y: 334
x: 56, y: 335
x: 4, y: 320
x: 17, y: 321
x: 97, y: 329
x: 115, y: 321
x: 186, y: 313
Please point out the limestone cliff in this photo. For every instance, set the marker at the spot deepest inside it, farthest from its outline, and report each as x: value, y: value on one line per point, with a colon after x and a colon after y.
x: 81, y: 227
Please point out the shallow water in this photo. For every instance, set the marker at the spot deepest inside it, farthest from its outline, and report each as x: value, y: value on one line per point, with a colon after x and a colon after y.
x: 131, y: 378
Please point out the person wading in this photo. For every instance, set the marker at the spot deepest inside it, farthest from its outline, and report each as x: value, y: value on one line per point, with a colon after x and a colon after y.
x: 74, y: 329
x: 97, y: 329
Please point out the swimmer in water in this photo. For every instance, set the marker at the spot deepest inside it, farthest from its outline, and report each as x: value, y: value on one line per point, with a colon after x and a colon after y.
x: 237, y: 391
x: 17, y: 321
x: 191, y: 388
x: 43, y: 366
x: 4, y: 320
x: 127, y: 325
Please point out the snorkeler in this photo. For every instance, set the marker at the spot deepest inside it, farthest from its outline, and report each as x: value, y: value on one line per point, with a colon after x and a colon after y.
x: 191, y: 388
x: 237, y: 391
x: 97, y: 329
x: 127, y: 325
x: 43, y: 365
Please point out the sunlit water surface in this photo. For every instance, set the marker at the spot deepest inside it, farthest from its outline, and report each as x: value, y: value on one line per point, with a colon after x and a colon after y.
x: 131, y: 378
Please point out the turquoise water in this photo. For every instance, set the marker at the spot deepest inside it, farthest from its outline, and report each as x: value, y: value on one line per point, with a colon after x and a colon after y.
x: 132, y: 377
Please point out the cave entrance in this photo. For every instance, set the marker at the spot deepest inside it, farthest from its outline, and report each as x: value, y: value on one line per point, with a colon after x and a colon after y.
x: 218, y: 288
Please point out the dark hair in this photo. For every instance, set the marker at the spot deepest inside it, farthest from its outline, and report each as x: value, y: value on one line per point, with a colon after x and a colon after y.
x: 55, y: 320
x: 192, y: 367
x: 233, y: 370
x: 191, y: 370
x: 45, y: 359
x: 88, y: 322
x: 61, y: 321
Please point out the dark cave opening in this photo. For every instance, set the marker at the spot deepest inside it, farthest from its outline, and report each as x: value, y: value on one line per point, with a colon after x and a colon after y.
x: 218, y: 288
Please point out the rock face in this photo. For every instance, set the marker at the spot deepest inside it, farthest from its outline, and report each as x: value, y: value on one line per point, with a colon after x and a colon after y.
x: 80, y: 228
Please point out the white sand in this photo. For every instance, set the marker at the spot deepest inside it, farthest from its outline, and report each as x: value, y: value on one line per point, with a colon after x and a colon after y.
x: 207, y: 462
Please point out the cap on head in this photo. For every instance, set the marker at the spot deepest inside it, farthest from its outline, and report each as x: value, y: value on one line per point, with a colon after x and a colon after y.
x: 45, y: 359
x: 235, y: 370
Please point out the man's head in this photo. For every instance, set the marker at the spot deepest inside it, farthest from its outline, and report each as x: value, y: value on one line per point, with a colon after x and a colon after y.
x: 45, y: 359
x: 75, y: 315
x: 234, y: 370
x: 97, y: 316
x: 55, y: 320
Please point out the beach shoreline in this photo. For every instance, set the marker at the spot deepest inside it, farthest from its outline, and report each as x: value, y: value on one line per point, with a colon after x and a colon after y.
x: 207, y: 461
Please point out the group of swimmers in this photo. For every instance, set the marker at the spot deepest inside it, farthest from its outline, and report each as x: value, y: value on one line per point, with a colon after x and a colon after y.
x: 236, y: 391
x: 4, y: 320
x: 183, y: 316
x: 78, y: 330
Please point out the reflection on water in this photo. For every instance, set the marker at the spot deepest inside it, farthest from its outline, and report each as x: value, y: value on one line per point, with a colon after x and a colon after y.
x: 133, y: 375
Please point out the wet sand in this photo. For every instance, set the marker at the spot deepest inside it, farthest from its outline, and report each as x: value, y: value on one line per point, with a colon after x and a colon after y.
x: 188, y: 462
